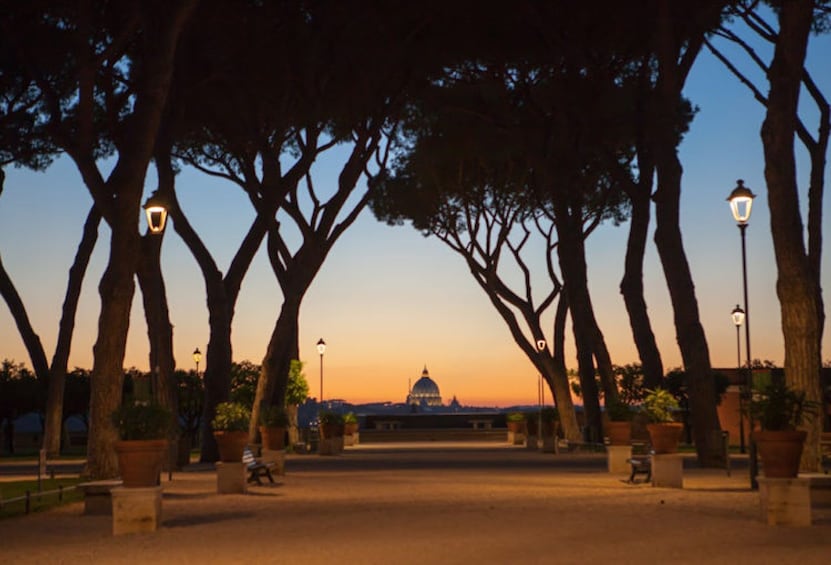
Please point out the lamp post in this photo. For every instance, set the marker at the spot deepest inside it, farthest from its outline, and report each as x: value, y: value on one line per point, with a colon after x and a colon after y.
x: 321, y: 348
x: 541, y: 395
x: 197, y: 357
x: 738, y: 320
x: 741, y: 202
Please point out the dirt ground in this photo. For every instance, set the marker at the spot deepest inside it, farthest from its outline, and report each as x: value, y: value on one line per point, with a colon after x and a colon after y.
x: 434, y: 503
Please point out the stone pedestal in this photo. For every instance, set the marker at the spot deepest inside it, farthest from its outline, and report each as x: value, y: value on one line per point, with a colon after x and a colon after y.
x: 617, y: 457
x: 785, y: 502
x: 352, y: 439
x: 331, y: 446
x: 136, y: 509
x: 276, y: 457
x: 668, y: 470
x: 231, y: 478
x: 549, y: 444
x: 531, y: 443
x: 516, y: 438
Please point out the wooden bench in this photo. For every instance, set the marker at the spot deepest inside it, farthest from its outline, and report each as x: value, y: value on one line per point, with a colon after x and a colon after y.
x: 256, y: 468
x: 641, y: 462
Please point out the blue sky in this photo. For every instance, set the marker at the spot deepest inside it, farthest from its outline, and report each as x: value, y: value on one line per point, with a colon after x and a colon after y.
x: 388, y: 301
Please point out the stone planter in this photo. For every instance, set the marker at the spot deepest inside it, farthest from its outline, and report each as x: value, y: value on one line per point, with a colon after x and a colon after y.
x: 780, y: 452
x: 140, y: 461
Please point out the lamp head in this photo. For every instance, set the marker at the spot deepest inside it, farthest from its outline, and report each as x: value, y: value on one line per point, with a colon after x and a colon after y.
x: 737, y: 315
x: 540, y: 344
x: 156, y: 211
x: 197, y: 355
x: 741, y: 202
x: 321, y: 346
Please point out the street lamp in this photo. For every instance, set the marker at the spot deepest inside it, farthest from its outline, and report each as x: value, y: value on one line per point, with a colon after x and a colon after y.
x: 155, y: 208
x: 321, y: 348
x: 197, y: 357
x: 738, y: 319
x: 741, y: 202
x: 541, y: 395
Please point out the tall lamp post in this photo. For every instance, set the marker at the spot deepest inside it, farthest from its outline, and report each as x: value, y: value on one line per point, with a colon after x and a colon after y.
x: 197, y: 357
x: 738, y: 320
x: 741, y: 202
x: 321, y: 348
x: 541, y: 395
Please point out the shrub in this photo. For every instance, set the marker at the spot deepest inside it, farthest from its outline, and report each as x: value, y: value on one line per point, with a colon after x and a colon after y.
x: 231, y: 417
x: 515, y: 417
x: 778, y: 407
x: 350, y: 418
x: 660, y: 406
x: 619, y: 411
x: 331, y: 418
x: 273, y: 417
x: 142, y: 420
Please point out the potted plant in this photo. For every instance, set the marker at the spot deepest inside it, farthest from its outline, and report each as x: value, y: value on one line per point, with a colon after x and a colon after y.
x: 142, y: 428
x: 350, y: 428
x: 664, y: 432
x: 273, y: 424
x: 619, y: 426
x: 331, y: 424
x: 230, y: 426
x: 516, y: 422
x: 779, y: 411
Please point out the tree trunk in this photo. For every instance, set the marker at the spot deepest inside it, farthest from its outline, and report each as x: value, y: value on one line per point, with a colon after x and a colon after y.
x: 282, y: 348
x: 557, y: 376
x: 218, y: 357
x: 796, y: 285
x: 631, y: 287
x: 57, y: 380
x: 689, y: 332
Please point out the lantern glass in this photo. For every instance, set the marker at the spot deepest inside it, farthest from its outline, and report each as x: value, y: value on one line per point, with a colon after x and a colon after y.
x: 321, y: 346
x: 737, y: 315
x: 741, y: 202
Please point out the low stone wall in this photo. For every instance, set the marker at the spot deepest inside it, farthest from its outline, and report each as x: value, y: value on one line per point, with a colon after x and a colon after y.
x: 382, y: 436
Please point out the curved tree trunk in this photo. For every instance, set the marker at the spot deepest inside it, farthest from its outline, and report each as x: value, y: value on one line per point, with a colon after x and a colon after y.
x: 57, y: 380
x: 796, y: 285
x: 218, y: 357
x: 557, y: 375
x: 631, y: 287
x: 690, y: 334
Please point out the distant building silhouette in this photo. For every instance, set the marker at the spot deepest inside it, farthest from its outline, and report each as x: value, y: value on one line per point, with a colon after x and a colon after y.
x: 425, y: 393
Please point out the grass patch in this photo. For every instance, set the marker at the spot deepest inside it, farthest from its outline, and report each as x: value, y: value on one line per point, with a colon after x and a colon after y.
x: 15, y: 489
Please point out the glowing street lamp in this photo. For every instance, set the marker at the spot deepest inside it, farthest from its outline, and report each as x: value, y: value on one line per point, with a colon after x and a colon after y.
x: 321, y: 348
x: 197, y: 357
x: 155, y: 208
x: 541, y: 396
x: 738, y: 319
x: 741, y: 202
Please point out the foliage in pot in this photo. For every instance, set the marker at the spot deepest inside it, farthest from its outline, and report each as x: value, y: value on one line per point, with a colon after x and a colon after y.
x: 664, y: 433
x: 142, y: 420
x: 143, y: 429
x: 230, y: 425
x: 331, y: 424
x: 350, y: 423
x: 231, y: 417
x: 619, y: 411
x: 779, y: 411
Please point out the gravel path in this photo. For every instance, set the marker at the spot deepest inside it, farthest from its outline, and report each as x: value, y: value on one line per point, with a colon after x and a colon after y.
x: 460, y: 503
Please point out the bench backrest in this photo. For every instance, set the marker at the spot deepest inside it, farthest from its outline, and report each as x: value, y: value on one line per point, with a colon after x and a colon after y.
x: 248, y: 457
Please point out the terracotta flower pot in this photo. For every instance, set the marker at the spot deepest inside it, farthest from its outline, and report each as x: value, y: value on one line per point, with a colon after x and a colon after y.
x: 350, y: 429
x: 274, y: 437
x: 665, y: 437
x: 619, y: 433
x: 516, y: 427
x: 780, y: 452
x: 231, y: 445
x: 331, y: 430
x: 140, y: 461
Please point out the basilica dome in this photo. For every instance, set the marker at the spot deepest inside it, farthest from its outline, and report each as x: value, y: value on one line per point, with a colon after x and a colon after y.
x: 425, y: 391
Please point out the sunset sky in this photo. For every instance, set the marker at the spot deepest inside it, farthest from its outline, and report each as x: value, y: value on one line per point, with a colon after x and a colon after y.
x: 389, y: 301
